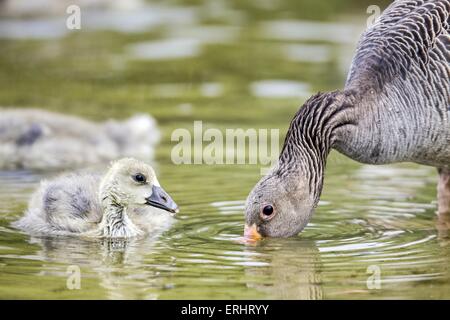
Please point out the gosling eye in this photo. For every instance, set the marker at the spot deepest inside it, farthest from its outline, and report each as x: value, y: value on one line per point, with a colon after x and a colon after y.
x: 267, y: 212
x: 139, y: 177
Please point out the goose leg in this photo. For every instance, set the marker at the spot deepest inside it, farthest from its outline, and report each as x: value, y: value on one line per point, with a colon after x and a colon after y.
x: 443, y: 192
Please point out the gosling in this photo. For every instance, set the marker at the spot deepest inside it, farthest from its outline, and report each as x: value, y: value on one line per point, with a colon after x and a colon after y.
x: 126, y: 202
x: 41, y: 140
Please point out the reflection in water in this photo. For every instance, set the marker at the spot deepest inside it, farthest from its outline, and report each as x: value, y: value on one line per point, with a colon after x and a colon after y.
x: 279, y: 89
x: 116, y: 264
x: 208, y: 34
x: 165, y: 49
x: 312, y: 53
x: 139, y: 19
x: 22, y: 8
x: 286, y: 269
x: 311, y: 30
x: 443, y: 228
x: 181, y: 43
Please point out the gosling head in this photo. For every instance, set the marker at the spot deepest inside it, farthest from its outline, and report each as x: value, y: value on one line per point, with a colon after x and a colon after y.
x: 130, y: 182
x: 280, y: 205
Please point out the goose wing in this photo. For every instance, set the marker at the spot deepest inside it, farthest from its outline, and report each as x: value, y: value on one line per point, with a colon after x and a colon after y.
x: 71, y: 203
x: 407, y: 48
x: 65, y: 205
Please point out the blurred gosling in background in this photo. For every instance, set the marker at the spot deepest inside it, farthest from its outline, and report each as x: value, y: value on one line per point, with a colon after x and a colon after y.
x: 126, y: 202
x: 42, y: 140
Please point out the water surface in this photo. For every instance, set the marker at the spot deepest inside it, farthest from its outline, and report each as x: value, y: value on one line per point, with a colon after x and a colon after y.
x: 251, y: 67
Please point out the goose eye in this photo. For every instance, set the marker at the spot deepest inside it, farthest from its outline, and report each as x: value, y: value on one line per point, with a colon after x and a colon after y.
x: 139, y: 178
x: 267, y: 212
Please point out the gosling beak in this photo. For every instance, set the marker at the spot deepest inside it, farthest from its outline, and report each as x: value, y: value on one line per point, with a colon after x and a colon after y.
x: 251, y: 232
x: 160, y: 199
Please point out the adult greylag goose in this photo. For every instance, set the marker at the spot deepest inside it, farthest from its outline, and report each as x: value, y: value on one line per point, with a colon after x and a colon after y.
x: 394, y: 108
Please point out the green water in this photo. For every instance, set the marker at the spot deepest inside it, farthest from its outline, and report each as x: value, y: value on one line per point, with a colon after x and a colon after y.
x: 370, y: 218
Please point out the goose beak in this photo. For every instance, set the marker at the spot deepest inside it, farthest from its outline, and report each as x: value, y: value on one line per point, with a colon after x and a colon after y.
x: 251, y: 233
x: 161, y: 200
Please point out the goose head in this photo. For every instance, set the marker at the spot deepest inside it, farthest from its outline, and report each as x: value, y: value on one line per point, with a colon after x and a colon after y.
x: 282, y: 203
x: 130, y: 182
x: 278, y: 206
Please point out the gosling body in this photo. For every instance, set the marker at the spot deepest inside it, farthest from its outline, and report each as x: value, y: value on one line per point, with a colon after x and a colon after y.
x: 43, y: 140
x: 114, y: 205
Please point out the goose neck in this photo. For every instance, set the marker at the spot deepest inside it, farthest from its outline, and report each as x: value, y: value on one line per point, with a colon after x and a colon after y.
x: 311, y: 136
